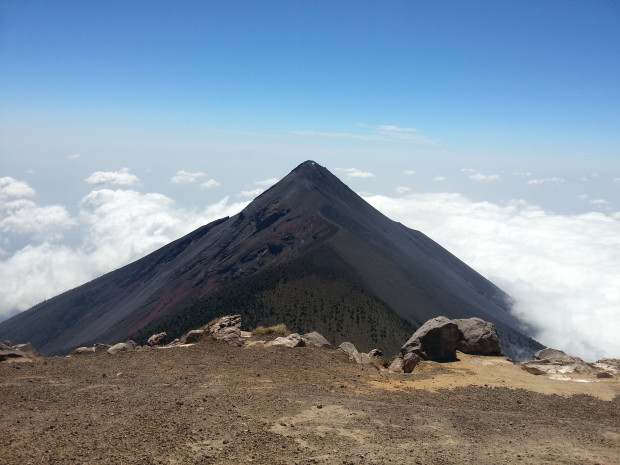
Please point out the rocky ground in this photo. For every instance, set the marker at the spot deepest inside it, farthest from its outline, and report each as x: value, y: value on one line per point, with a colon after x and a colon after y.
x: 211, y: 403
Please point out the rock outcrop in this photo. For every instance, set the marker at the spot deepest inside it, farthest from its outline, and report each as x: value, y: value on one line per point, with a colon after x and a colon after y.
x: 374, y: 357
x: 228, y: 329
x: 556, y: 363
x: 159, y: 339
x: 292, y: 340
x: 19, y: 351
x: 477, y: 337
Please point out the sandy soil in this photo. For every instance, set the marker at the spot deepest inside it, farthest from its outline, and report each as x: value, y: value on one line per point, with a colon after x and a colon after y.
x: 214, y: 404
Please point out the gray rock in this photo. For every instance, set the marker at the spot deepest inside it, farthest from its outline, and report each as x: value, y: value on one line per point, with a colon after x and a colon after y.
x: 292, y: 340
x: 159, y: 339
x: 231, y: 336
x: 315, y: 339
x: 194, y: 336
x: 478, y: 337
x: 126, y: 346
x: 556, y: 357
x: 83, y: 351
x: 227, y: 329
x: 27, y: 348
x: 409, y: 361
x: 229, y: 321
x: 437, y: 340
x: 101, y: 347
x: 351, y: 351
x: 555, y: 362
x: 396, y: 366
x: 604, y: 374
x: 6, y: 354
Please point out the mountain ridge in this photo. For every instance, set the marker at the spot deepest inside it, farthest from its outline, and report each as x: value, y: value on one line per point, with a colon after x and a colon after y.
x: 309, y: 215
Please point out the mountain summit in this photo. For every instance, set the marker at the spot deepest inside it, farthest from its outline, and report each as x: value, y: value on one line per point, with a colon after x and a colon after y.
x: 308, y: 252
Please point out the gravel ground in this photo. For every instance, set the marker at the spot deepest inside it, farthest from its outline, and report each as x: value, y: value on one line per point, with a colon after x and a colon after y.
x: 215, y: 404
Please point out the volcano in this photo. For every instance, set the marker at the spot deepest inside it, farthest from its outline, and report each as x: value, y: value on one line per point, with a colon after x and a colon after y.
x: 308, y: 252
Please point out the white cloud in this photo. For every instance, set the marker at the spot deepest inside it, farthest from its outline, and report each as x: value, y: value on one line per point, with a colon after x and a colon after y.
x: 402, y: 190
x: 355, y: 173
x: 12, y: 188
x: 469, y: 170
x: 338, y: 135
x: 409, y: 172
x: 524, y: 173
x: 20, y: 216
x: 26, y: 217
x: 115, y: 227
x: 547, y: 181
x: 439, y: 178
x: 251, y: 193
x: 211, y: 183
x: 599, y: 202
x: 616, y: 179
x: 185, y: 177
x: 485, y: 177
x: 74, y: 156
x: 385, y: 133
x: 390, y: 128
x: 267, y: 182
x: 563, y: 271
x: 120, y: 178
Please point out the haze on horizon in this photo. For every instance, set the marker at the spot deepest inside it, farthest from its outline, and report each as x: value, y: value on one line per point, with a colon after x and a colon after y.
x: 489, y: 126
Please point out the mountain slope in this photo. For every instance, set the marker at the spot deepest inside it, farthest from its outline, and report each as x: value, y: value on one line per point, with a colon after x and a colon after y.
x: 309, y: 218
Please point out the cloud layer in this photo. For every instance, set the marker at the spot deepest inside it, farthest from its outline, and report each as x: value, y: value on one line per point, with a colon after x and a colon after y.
x: 563, y: 271
x: 113, y: 227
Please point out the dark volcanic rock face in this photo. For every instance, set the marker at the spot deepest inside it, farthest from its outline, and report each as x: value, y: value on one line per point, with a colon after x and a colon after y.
x: 309, y: 219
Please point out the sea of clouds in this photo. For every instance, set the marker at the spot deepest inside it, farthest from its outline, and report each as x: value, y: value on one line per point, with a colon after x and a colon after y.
x: 563, y: 271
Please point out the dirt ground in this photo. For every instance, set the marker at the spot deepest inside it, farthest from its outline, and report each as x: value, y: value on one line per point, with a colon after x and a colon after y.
x: 215, y: 404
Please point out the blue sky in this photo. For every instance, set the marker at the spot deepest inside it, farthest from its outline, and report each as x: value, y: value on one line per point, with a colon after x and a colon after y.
x: 185, y: 110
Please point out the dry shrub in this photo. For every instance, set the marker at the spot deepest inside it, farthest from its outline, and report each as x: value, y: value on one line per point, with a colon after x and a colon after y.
x: 277, y: 330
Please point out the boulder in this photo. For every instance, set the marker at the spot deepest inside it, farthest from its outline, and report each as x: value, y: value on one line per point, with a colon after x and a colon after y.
x: 6, y: 354
x: 315, y: 339
x: 27, y: 348
x: 292, y: 340
x: 83, y: 351
x: 126, y: 346
x: 159, y: 339
x: 101, y: 347
x: 477, y: 337
x: 396, y: 366
x: 409, y: 361
x: 556, y: 357
x: 194, y: 336
x: 555, y: 362
x: 437, y: 340
x: 351, y: 351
